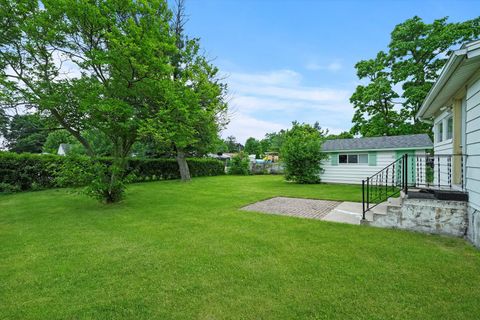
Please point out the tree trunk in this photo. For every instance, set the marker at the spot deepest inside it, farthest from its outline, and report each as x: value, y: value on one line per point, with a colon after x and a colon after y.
x: 183, y: 166
x: 76, y: 134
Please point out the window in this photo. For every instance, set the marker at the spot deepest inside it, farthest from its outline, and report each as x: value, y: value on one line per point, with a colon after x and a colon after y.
x: 439, y: 132
x: 363, y: 158
x: 353, y: 158
x: 449, y: 127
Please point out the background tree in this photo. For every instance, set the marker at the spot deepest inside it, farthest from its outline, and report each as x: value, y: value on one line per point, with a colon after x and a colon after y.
x: 240, y: 164
x: 100, y: 144
x: 55, y: 138
x: 374, y: 103
x: 219, y: 145
x: 418, y: 53
x: 253, y: 146
x: 193, y: 109
x: 399, y: 80
x: 25, y: 133
x: 233, y: 145
x: 273, y: 141
x: 302, y: 153
x: 123, y: 52
x: 341, y: 135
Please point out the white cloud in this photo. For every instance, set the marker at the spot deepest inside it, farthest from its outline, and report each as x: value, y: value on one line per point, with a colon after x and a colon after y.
x: 269, y: 101
x: 279, y: 77
x: 282, y: 84
x: 332, y: 66
x: 243, y: 126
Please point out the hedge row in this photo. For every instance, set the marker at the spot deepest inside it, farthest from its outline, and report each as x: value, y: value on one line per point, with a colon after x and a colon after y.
x: 21, y: 172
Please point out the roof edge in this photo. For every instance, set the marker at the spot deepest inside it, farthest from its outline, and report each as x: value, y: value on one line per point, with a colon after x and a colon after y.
x: 452, y: 64
x: 382, y: 149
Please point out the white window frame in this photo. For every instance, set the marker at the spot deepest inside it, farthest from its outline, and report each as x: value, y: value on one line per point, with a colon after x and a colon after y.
x: 443, y: 123
x: 438, y: 133
x: 450, y: 117
x: 353, y: 154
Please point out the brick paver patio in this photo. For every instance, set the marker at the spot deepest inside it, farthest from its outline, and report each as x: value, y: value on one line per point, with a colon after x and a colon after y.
x: 304, y: 208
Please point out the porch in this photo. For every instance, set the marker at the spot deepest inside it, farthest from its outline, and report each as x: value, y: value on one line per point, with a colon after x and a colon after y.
x: 418, y: 192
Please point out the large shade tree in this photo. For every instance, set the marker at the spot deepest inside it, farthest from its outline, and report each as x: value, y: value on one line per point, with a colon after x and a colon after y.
x: 122, y: 55
x: 397, y: 81
x: 193, y: 108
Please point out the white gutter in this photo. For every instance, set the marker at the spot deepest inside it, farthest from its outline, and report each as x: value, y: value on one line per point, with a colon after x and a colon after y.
x: 453, y: 62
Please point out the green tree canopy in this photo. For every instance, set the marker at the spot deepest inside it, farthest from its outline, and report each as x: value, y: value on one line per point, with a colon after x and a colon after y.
x: 398, y: 81
x: 302, y: 153
x: 341, y: 135
x: 253, y: 146
x: 25, y: 133
x: 55, y: 138
x: 125, y: 53
x: 192, y: 111
x: 233, y: 145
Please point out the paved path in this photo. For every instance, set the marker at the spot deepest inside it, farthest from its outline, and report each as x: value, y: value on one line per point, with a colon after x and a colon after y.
x: 347, y: 212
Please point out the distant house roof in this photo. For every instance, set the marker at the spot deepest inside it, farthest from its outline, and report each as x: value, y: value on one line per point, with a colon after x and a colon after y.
x: 63, y: 149
x: 413, y: 141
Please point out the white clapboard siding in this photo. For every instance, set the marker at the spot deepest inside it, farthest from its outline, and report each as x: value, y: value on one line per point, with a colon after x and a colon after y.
x: 420, y: 166
x: 444, y: 147
x: 355, y: 173
x: 473, y: 144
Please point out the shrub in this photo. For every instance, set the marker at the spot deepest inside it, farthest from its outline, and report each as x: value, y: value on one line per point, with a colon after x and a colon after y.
x: 100, y: 178
x: 239, y: 164
x: 302, y: 153
x: 26, y: 171
x: 8, y: 188
x: 29, y: 171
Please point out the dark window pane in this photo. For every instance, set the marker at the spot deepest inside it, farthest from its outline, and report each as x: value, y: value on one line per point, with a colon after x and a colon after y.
x: 440, y: 132
x: 342, y: 158
x: 352, y: 158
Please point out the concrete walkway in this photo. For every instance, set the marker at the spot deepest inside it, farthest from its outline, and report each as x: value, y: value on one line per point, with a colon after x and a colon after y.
x: 345, y: 212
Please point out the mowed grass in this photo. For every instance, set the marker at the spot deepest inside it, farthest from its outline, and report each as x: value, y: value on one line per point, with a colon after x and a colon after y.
x: 185, y: 251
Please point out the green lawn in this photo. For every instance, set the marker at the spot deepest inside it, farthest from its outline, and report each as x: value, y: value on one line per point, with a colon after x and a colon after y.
x: 184, y: 251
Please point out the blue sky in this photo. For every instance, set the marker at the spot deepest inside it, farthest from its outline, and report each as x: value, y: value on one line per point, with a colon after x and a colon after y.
x: 288, y: 60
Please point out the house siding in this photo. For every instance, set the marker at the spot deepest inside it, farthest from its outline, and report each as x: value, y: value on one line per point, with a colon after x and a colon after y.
x: 355, y: 173
x: 445, y: 147
x: 472, y: 167
x: 472, y: 142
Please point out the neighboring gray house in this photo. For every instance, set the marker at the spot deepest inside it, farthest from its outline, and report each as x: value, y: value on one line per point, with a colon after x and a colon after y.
x: 453, y: 106
x: 352, y: 160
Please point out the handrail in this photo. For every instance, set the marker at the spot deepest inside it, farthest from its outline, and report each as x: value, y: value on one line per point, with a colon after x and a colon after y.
x: 384, y: 184
x: 441, y: 171
x: 391, y: 164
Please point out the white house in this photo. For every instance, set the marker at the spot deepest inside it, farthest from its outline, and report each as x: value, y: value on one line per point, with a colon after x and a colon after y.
x: 453, y: 106
x: 353, y: 160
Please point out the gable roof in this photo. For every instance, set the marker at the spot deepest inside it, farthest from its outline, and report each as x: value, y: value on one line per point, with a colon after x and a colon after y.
x: 460, y: 67
x: 412, y: 141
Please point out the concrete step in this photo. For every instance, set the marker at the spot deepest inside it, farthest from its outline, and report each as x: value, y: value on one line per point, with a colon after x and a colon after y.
x: 381, y: 208
x: 395, y: 201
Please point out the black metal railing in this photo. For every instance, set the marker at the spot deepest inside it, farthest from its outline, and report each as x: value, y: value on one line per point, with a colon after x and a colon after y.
x: 386, y: 183
x: 440, y: 171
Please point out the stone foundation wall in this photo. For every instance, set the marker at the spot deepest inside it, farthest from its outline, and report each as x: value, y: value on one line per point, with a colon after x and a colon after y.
x: 427, y: 215
x: 473, y: 233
